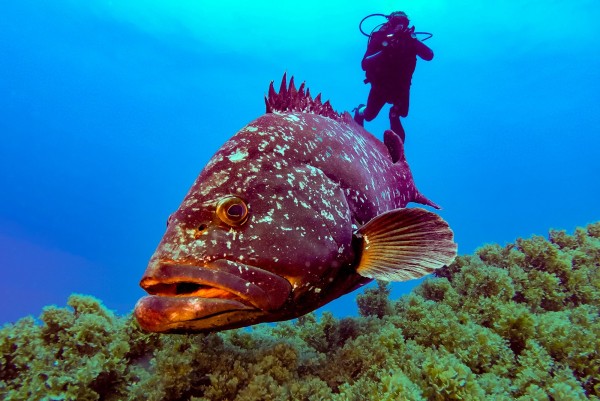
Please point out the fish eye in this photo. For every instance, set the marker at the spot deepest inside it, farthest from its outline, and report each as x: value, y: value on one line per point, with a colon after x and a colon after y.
x: 232, y: 211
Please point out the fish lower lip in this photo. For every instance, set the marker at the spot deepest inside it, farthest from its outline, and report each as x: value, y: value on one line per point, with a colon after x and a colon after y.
x: 163, y: 313
x: 222, y: 279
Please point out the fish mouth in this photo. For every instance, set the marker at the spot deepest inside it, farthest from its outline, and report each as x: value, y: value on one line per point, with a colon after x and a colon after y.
x: 223, y: 294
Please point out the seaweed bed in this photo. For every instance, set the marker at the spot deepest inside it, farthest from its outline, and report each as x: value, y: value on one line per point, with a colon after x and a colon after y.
x: 514, y: 322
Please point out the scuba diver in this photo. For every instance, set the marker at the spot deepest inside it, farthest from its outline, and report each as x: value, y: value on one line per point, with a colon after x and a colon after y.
x: 389, y: 64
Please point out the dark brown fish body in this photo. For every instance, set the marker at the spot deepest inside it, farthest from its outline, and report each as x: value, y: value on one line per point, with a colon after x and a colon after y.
x: 271, y: 229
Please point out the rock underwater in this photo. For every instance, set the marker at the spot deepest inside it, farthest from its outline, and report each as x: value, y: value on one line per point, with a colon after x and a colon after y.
x: 509, y: 322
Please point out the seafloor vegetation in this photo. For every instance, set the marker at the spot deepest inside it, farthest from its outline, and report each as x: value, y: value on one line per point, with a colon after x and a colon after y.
x: 515, y: 322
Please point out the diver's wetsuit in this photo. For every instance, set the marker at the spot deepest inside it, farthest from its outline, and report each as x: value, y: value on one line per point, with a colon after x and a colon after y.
x: 389, y: 63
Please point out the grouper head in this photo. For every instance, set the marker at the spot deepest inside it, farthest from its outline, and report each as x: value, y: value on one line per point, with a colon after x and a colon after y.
x: 249, y: 248
x: 267, y: 231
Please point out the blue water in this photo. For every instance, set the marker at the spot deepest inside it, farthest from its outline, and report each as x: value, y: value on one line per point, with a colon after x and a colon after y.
x: 108, y: 113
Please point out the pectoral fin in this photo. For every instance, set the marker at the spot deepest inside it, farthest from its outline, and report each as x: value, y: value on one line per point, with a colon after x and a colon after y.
x: 404, y: 244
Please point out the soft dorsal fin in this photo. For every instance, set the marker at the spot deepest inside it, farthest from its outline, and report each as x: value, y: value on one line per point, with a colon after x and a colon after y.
x: 405, y: 244
x: 394, y: 144
x: 291, y: 99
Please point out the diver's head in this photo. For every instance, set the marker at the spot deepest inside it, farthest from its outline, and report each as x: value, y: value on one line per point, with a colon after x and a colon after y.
x: 398, y: 20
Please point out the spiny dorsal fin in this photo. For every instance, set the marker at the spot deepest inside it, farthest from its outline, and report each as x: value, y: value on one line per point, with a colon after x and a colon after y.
x: 394, y: 144
x: 291, y: 99
x: 404, y: 244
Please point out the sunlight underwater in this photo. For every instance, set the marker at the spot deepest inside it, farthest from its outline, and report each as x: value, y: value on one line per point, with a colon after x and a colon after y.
x: 513, y: 322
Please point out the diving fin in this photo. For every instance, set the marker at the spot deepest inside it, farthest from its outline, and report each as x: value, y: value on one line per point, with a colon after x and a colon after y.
x: 405, y: 244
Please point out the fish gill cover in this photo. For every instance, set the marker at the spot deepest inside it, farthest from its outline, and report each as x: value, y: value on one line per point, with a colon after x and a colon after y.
x: 519, y: 321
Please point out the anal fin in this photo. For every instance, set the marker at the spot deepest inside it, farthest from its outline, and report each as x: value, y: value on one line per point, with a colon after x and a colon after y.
x: 405, y: 244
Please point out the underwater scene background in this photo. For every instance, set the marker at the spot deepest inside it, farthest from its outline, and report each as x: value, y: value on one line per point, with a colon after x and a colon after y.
x: 110, y: 110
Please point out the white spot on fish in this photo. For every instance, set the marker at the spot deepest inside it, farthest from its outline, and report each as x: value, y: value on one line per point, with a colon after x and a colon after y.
x: 267, y: 218
x: 281, y: 149
x: 217, y: 179
x: 327, y: 215
x: 214, y: 161
x: 292, y: 118
x: 239, y: 155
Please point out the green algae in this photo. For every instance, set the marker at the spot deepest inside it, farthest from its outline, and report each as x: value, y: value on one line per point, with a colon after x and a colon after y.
x: 515, y: 322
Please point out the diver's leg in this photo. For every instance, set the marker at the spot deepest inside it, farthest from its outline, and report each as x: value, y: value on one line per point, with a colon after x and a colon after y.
x: 402, y: 104
x: 375, y: 103
x: 395, y: 123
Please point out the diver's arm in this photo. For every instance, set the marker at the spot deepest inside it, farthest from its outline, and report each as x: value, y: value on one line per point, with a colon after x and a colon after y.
x: 374, y: 50
x: 423, y: 50
x: 369, y: 60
